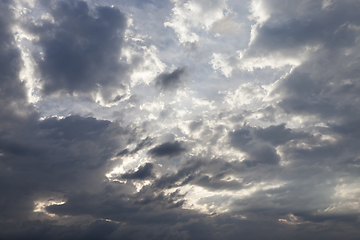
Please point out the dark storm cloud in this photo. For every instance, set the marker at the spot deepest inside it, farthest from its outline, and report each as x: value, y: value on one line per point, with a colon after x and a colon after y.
x: 100, y: 205
x: 144, y: 172
x: 150, y: 205
x: 52, y: 156
x: 100, y: 229
x: 81, y: 49
x: 81, y: 134
x: 144, y: 207
x: 172, y: 81
x: 32, y: 230
x: 15, y: 116
x: 74, y: 128
x: 216, y: 227
x: 168, y: 149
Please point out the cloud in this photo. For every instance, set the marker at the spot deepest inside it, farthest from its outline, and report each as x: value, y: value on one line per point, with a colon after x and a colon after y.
x: 13, y: 102
x: 53, y: 154
x: 189, y: 16
x: 36, y: 230
x: 172, y: 81
x: 74, y: 128
x: 168, y: 180
x: 283, y: 36
x: 142, y: 173
x: 277, y: 135
x: 258, y: 152
x: 195, y: 125
x: 226, y: 25
x: 144, y: 143
x: 81, y: 49
x: 167, y: 149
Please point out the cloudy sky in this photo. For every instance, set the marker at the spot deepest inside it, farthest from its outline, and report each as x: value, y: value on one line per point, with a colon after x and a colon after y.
x: 179, y: 119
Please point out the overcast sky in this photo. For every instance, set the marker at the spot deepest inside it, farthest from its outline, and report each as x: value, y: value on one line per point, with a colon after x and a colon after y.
x: 179, y: 119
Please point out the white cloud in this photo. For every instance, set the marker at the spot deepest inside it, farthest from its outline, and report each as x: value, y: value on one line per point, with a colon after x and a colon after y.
x: 190, y: 17
x: 245, y: 95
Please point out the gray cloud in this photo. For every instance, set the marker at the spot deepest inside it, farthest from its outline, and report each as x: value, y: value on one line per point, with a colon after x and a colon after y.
x: 168, y: 149
x: 142, y: 173
x: 99, y: 229
x: 258, y: 152
x: 15, y: 114
x: 186, y: 173
x: 53, y: 156
x: 277, y: 135
x: 195, y: 125
x: 296, y: 31
x: 81, y: 49
x: 173, y: 80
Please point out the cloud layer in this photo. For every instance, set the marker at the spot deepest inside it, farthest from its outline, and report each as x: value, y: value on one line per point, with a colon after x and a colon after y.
x: 179, y: 119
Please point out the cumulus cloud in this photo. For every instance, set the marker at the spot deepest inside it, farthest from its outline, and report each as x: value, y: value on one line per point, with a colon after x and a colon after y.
x: 189, y: 16
x: 80, y: 49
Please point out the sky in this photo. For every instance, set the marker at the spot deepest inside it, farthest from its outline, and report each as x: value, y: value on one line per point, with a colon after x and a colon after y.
x: 179, y: 119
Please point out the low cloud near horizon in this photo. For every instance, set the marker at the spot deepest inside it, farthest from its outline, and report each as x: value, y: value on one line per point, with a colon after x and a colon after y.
x: 193, y: 119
